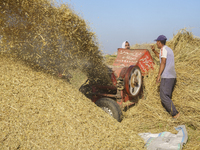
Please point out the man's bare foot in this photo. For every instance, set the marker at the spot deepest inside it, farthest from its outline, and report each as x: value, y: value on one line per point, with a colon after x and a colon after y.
x: 176, y: 116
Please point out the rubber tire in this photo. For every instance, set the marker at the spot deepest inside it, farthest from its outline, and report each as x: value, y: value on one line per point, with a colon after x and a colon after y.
x: 112, y: 105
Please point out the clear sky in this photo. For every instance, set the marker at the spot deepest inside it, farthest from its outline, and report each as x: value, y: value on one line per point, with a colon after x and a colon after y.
x: 137, y: 21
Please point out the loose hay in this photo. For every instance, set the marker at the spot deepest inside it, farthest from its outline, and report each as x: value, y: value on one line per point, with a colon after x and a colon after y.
x: 50, y: 36
x: 150, y: 116
x: 41, y: 111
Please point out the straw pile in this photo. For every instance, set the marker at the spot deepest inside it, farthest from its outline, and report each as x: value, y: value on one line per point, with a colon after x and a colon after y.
x: 50, y: 36
x: 38, y: 110
x: 150, y: 116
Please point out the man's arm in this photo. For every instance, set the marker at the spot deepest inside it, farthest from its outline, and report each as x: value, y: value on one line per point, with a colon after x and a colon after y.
x: 155, y: 52
x: 162, y: 67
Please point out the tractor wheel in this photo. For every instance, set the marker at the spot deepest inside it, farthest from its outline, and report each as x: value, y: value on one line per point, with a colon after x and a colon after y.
x: 110, y: 107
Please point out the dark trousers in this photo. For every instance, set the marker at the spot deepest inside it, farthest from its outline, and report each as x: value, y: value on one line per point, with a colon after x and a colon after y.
x: 166, y: 89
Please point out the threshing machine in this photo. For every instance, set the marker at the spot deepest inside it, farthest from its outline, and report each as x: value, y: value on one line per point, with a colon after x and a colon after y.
x: 126, y: 74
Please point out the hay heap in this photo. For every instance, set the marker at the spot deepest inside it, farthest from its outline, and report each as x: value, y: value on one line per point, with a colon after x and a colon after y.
x: 50, y: 36
x: 150, y: 116
x: 41, y: 111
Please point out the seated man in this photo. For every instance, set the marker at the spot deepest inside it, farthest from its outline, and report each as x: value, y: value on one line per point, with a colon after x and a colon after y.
x: 126, y: 45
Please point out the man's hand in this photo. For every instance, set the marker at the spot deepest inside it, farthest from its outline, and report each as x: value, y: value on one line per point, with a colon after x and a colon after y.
x: 153, y: 48
x: 158, y: 79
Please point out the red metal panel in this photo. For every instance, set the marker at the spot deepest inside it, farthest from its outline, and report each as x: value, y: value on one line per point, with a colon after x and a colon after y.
x: 120, y: 71
x: 145, y: 62
x: 128, y: 57
x: 113, y: 79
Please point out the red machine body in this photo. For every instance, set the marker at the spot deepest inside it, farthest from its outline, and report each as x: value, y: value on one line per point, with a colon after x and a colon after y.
x: 126, y: 68
x: 135, y: 57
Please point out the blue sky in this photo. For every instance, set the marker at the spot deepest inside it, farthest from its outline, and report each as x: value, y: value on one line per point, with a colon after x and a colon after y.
x: 137, y: 21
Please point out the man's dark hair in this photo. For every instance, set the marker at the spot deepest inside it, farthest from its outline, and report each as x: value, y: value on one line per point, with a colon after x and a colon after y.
x: 163, y: 42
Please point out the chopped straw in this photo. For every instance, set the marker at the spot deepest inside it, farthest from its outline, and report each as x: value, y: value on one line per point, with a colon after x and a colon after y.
x: 38, y: 110
x: 149, y: 115
x: 41, y: 39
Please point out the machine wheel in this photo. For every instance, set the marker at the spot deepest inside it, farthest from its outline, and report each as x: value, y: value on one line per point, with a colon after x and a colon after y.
x: 110, y: 107
x: 133, y: 81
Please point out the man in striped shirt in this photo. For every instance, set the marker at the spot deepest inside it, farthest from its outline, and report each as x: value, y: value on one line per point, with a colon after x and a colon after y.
x: 166, y: 75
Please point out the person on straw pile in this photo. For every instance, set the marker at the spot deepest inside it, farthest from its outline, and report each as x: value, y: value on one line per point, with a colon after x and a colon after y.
x: 166, y: 75
x: 126, y: 45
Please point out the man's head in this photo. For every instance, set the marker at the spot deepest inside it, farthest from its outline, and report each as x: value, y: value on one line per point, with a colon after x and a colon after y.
x: 127, y: 45
x: 161, y: 41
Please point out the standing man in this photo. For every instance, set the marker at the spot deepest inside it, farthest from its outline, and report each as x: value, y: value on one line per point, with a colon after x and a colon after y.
x: 166, y: 75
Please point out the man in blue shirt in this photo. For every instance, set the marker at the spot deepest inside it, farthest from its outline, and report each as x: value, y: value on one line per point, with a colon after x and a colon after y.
x: 166, y: 75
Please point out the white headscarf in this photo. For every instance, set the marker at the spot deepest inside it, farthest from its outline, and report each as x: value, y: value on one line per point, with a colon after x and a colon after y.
x: 123, y: 44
